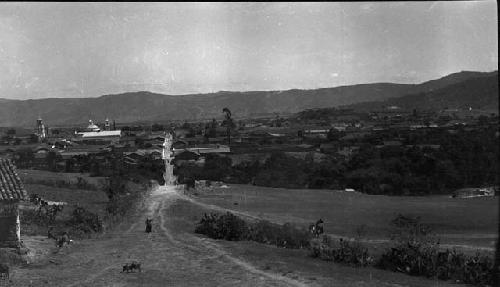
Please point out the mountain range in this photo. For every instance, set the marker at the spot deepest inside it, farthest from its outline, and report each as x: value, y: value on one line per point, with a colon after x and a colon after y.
x: 466, y: 88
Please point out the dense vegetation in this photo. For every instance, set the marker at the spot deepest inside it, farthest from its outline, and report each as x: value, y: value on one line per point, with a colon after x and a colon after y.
x: 230, y: 227
x: 466, y: 158
x: 415, y: 250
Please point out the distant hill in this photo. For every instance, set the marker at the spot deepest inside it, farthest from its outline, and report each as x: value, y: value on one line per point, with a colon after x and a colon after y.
x: 147, y: 106
x: 477, y: 92
x: 453, y: 79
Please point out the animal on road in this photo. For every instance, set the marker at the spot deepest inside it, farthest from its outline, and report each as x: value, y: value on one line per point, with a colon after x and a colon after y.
x: 63, y: 239
x: 130, y: 267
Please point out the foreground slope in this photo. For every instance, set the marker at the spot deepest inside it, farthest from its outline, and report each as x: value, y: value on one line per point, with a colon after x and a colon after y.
x: 173, y: 256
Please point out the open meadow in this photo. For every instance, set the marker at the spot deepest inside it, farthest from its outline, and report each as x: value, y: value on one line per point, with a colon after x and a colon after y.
x: 71, y: 189
x: 467, y: 223
x: 292, y: 263
x: 61, y: 179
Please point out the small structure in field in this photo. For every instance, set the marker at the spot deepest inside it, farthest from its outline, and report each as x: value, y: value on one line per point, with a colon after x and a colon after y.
x: 12, y: 192
x: 473, y: 192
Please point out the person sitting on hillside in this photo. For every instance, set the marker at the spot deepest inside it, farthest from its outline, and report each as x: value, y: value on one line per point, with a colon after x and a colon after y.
x: 319, y: 226
x: 149, y: 225
x: 316, y: 228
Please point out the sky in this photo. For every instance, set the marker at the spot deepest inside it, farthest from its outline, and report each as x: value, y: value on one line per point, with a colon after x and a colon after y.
x: 92, y: 49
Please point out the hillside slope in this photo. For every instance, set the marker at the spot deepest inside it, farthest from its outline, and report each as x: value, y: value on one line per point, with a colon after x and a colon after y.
x: 147, y: 106
x: 477, y: 93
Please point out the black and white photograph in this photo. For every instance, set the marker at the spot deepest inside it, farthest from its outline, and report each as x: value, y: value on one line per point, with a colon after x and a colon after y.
x: 249, y: 144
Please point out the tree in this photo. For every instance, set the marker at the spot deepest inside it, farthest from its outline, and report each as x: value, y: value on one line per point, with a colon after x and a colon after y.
x: 51, y: 160
x: 157, y: 127
x: 278, y: 121
x: 33, y: 138
x: 212, y: 129
x: 228, y: 123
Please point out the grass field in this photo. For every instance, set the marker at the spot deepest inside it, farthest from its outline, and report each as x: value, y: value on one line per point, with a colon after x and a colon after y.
x: 63, y: 187
x: 92, y: 200
x: 469, y: 222
x: 52, y: 178
x: 295, y: 263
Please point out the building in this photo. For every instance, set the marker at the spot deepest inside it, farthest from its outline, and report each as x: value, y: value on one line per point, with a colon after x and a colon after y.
x: 92, y: 127
x: 204, y: 149
x: 102, y: 137
x: 40, y: 129
x: 473, y: 192
x: 107, y: 126
x: 12, y: 193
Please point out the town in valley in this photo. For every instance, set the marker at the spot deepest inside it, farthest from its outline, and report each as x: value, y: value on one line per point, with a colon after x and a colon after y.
x: 266, y: 170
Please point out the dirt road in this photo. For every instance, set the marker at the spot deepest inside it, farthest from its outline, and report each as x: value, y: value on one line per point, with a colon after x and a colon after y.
x: 168, y: 258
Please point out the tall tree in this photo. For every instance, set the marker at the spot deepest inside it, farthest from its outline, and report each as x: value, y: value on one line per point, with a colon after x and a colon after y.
x: 229, y: 123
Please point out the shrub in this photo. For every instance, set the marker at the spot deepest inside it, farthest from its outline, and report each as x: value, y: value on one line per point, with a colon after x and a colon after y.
x: 286, y: 235
x: 417, y: 253
x: 85, y: 221
x: 227, y: 227
x: 413, y: 258
x: 425, y: 260
x: 263, y: 231
x: 341, y: 251
x: 231, y: 227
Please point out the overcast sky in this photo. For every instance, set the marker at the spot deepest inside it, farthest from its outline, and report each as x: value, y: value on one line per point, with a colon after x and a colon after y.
x: 91, y: 49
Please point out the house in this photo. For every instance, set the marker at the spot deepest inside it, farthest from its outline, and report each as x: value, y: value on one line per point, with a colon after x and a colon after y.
x: 12, y: 193
x: 99, y: 136
x: 203, y: 149
x: 355, y: 136
x: 180, y: 144
x: 392, y: 143
x: 186, y: 156
x: 182, y: 132
x: 128, y: 140
x: 347, y: 151
x: 328, y: 148
x: 473, y: 192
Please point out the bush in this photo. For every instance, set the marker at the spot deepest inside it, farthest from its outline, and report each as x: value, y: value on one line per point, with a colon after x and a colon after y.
x: 425, y: 260
x: 227, y: 227
x: 85, y: 221
x: 417, y: 253
x: 286, y: 235
x: 231, y: 227
x: 413, y: 258
x: 341, y: 251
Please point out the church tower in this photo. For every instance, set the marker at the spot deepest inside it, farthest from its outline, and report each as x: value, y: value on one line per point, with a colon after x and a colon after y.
x: 40, y: 129
x: 107, y: 127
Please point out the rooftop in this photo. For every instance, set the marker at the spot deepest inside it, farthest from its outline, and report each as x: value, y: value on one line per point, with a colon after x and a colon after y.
x: 100, y: 134
x: 11, y: 187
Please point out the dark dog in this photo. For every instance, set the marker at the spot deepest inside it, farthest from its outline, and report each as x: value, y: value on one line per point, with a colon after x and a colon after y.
x: 63, y: 239
x: 130, y: 267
